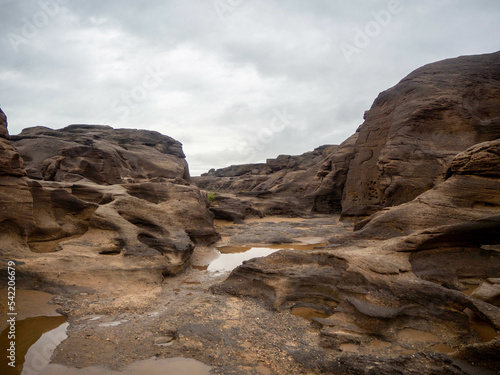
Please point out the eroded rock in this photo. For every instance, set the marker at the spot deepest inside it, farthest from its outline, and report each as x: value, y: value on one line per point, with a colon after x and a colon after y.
x: 101, y: 201
x: 414, y: 130
x: 288, y: 185
x: 100, y: 154
x: 403, y: 277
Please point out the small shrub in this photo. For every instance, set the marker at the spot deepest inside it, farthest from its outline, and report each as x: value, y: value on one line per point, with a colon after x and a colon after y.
x: 211, y: 197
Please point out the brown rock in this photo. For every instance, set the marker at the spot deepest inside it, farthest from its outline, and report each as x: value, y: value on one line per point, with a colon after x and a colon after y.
x: 114, y: 203
x: 100, y: 154
x: 414, y: 130
x: 4, y: 133
x: 470, y: 193
x: 400, y: 277
x: 489, y: 291
x: 287, y: 185
x: 16, y: 203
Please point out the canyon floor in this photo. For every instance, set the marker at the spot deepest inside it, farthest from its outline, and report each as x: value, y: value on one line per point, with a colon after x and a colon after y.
x: 184, y: 318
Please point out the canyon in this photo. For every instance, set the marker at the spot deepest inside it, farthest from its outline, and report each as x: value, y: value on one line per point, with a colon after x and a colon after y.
x: 383, y: 252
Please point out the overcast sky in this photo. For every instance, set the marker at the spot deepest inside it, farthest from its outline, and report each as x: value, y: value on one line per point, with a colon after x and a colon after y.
x: 235, y: 81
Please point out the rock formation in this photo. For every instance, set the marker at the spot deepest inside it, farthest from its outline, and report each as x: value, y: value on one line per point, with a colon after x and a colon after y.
x: 100, y: 199
x: 288, y: 185
x: 404, y: 147
x: 414, y: 289
x: 413, y: 131
x: 16, y: 201
x: 403, y: 294
x: 397, y: 290
x: 100, y: 154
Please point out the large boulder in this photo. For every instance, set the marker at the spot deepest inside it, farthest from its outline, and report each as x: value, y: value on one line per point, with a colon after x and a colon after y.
x: 470, y: 192
x: 100, y: 154
x: 413, y: 131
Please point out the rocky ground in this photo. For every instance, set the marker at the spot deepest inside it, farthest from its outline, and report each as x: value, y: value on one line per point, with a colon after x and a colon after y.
x: 188, y: 316
x: 184, y: 317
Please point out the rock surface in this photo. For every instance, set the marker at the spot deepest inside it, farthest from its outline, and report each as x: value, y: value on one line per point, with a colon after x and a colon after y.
x: 101, y: 200
x: 16, y: 201
x: 402, y: 280
x: 413, y: 131
x: 288, y: 185
x: 470, y: 192
x: 100, y: 154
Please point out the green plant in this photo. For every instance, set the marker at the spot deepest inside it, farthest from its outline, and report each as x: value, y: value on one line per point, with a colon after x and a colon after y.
x: 211, y: 197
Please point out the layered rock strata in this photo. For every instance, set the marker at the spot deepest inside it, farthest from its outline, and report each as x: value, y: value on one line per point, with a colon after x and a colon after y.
x: 414, y: 130
x: 416, y: 285
x: 92, y: 199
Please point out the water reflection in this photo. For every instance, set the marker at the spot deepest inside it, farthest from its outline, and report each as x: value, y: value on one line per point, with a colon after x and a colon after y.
x: 36, y: 338
x: 153, y: 366
x: 231, y: 260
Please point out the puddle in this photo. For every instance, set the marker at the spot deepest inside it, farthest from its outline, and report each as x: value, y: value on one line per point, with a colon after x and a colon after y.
x: 29, y: 303
x: 442, y: 348
x: 39, y: 329
x: 36, y: 339
x: 351, y: 348
x: 153, y: 366
x: 228, y: 257
x: 379, y: 344
x: 309, y: 312
x: 225, y: 258
x: 483, y: 329
x: 229, y: 261
x: 470, y: 288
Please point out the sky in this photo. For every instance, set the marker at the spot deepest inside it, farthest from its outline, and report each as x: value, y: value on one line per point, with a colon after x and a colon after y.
x: 235, y: 81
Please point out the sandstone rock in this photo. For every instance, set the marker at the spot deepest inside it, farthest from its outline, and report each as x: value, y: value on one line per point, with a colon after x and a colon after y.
x: 470, y: 193
x: 489, y: 291
x: 399, y: 278
x: 16, y: 203
x: 114, y: 203
x: 4, y: 133
x: 311, y: 182
x: 414, y: 130
x: 100, y: 154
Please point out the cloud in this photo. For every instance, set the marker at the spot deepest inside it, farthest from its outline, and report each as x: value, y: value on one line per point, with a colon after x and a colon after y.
x: 215, y: 77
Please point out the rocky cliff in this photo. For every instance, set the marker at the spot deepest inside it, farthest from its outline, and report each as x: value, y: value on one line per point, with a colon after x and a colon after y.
x: 397, y: 292
x: 403, y: 148
x: 100, y: 200
x: 414, y: 130
x: 288, y: 185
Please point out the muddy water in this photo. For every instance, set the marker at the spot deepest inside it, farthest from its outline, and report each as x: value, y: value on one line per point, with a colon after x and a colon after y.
x: 225, y: 258
x: 309, y: 312
x: 229, y: 261
x: 153, y: 366
x: 483, y: 329
x: 36, y: 338
x: 470, y: 289
x: 39, y: 329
